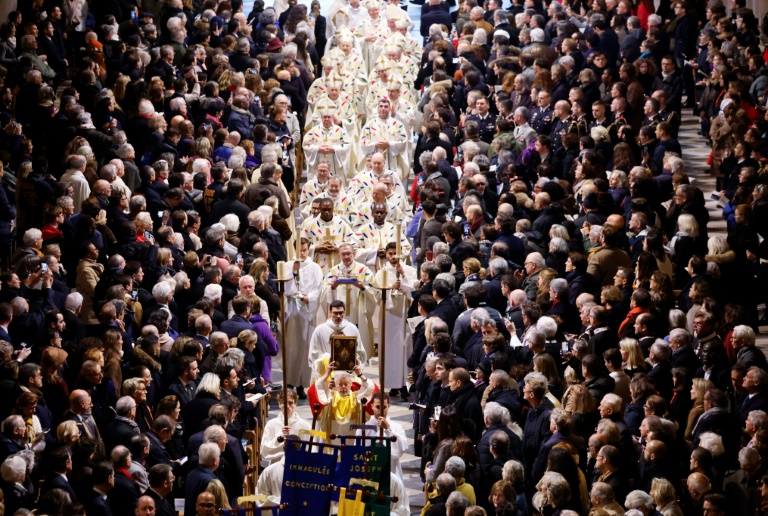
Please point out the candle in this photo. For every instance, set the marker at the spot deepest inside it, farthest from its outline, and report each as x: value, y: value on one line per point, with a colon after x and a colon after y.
x: 385, y: 278
x: 282, y: 270
x: 298, y: 244
x: 398, y: 228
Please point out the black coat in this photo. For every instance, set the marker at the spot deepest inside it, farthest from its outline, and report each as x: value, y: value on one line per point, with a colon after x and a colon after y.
x: 162, y: 506
x: 124, y: 496
x: 536, y: 430
x: 97, y: 506
x: 493, y: 295
x: 722, y: 423
x: 120, y: 432
x: 197, y: 410
x: 197, y: 482
x: 685, y: 357
x: 600, y: 386
x: 56, y: 481
x: 466, y: 403
x: 661, y: 376
x: 541, y: 459
x: 484, y: 444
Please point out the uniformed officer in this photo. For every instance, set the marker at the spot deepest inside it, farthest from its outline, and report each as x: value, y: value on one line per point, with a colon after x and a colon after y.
x: 564, y: 124
x: 485, y: 121
x: 580, y: 117
x: 618, y: 108
x: 541, y: 116
x: 598, y: 114
x: 651, y: 112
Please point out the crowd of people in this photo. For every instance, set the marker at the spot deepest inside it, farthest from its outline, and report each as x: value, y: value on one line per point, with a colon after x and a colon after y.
x: 569, y: 336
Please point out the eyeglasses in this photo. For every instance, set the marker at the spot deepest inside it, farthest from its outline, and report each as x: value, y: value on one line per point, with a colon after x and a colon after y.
x: 206, y: 505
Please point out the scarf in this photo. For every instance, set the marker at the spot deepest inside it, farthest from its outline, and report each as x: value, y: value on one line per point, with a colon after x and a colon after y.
x: 632, y: 313
x: 344, y: 408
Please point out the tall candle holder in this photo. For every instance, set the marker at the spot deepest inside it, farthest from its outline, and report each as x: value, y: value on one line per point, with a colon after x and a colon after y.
x: 283, y: 276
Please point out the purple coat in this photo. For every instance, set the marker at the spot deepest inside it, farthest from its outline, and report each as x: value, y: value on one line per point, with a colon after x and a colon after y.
x: 261, y: 327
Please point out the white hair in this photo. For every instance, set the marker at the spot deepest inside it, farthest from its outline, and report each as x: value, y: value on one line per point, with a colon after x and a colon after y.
x: 547, y: 325
x: 212, y: 291
x: 31, y: 236
x: 638, y: 499
x: 231, y: 222
x: 712, y: 442
x: 200, y: 165
x: 496, y: 413
x: 210, y: 382
x: 13, y: 469
x: 161, y: 291
x: 73, y: 302
x: 209, y: 453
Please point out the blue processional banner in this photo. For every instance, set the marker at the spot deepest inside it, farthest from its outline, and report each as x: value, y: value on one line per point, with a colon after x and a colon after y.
x: 306, y: 479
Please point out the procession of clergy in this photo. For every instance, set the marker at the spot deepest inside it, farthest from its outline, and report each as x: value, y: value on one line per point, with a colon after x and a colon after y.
x: 357, y: 145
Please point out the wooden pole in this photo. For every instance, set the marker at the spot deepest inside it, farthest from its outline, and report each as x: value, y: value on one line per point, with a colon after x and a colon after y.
x: 281, y: 289
x: 382, y: 355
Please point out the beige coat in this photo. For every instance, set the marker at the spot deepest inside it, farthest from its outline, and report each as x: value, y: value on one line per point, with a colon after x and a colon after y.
x: 88, y: 274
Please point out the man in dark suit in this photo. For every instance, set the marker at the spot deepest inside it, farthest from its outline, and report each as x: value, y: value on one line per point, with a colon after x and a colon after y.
x: 60, y: 463
x: 125, y: 495
x: 757, y: 398
x: 239, y: 322
x: 122, y: 429
x: 47, y: 46
x: 446, y: 309
x: 162, y: 431
x: 661, y: 373
x: 103, y: 478
x: 199, y: 478
x: 6, y: 316
x: 560, y: 422
x: 683, y: 354
x: 163, y: 295
x: 434, y: 15
x: 183, y: 387
x: 716, y: 418
x: 160, y: 486
x: 431, y: 227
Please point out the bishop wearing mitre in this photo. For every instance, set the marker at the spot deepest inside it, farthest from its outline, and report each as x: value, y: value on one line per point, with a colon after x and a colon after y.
x: 327, y: 142
x: 387, y: 135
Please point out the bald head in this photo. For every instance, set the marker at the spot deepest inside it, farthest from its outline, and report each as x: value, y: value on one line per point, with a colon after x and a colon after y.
x: 616, y: 221
x: 698, y: 485
x: 145, y: 506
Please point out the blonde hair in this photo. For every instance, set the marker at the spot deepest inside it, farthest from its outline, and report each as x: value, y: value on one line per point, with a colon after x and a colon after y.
x: 258, y: 268
x: 473, y: 264
x: 664, y: 491
x: 65, y: 431
x: 686, y: 222
x: 131, y: 385
x: 216, y: 488
x: 700, y: 387
x: 635, y: 357
x: 164, y: 256
x: 94, y: 354
x: 579, y: 401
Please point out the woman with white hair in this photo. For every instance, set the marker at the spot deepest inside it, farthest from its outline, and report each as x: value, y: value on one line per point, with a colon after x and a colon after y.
x: 721, y: 254
x: 16, y: 495
x: 684, y: 245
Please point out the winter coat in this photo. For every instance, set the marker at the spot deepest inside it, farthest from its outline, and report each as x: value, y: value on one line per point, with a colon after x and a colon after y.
x: 88, y: 274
